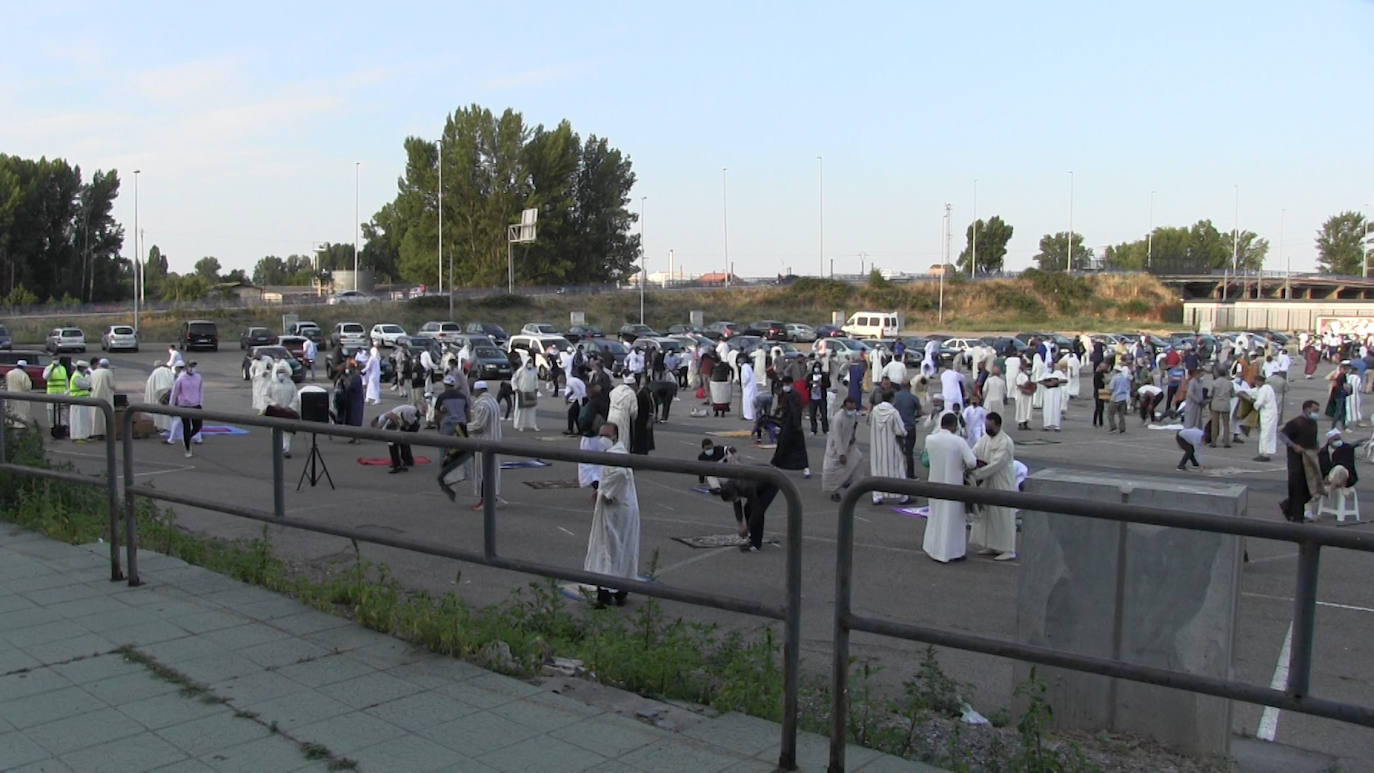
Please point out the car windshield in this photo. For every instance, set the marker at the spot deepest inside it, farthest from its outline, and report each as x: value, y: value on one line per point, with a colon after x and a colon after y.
x: 614, y: 347
x: 275, y: 352
x: 488, y: 352
x: 119, y: 331
x: 201, y: 327
x: 352, y: 328
x: 392, y: 329
x: 71, y: 332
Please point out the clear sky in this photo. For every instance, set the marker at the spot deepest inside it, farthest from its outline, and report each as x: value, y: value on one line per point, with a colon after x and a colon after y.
x: 247, y: 119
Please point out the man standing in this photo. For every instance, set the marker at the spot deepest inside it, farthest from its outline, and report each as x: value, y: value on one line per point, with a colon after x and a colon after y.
x: 354, y: 396
x: 1052, y: 399
x: 613, y: 545
x: 1193, y: 401
x: 818, y: 394
x: 259, y: 373
x: 18, y: 381
x: 102, y: 388
x: 624, y: 408
x: 372, y: 376
x: 842, y: 455
x: 885, y: 428
x: 908, y: 407
x: 485, y: 424
x: 1266, y: 407
x: 187, y: 393
x: 995, y: 454
x: 952, y: 387
x: 576, y: 395
x: 994, y: 390
x: 284, y: 402
x: 83, y: 417
x: 1220, y: 407
x: 403, y: 418
x: 308, y: 353
x: 590, y: 421
x: 1025, y: 396
x: 57, y: 374
x: 749, y: 392
x: 526, y: 386
x: 791, y: 451
x: 642, y: 428
x: 950, y: 458
x: 1299, y: 435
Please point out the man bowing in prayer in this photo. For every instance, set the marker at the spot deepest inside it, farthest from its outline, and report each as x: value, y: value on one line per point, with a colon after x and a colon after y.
x: 996, y: 529
x: 613, y: 546
x: 843, y: 459
x: 485, y: 424
x: 950, y: 458
x: 885, y: 431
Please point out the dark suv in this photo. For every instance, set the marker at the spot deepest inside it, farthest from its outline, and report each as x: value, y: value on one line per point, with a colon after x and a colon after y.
x: 497, y: 333
x: 199, y: 334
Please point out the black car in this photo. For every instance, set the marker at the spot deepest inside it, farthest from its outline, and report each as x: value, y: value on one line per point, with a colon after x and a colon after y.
x: 199, y: 334
x: 718, y: 330
x: 612, y: 353
x: 771, y: 329
x: 828, y: 331
x: 629, y: 332
x: 578, y: 332
x: 497, y: 333
x: 256, y: 336
x: 278, y: 354
x: 677, y: 330
x: 490, y: 363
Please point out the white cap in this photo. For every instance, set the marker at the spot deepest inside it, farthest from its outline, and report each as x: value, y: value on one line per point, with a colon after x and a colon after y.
x: 479, y: 385
x: 449, y: 380
x: 629, y: 379
x: 21, y: 363
x: 1333, y: 433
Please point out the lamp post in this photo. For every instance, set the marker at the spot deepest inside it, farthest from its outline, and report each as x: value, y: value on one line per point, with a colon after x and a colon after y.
x: 973, y: 254
x: 944, y: 263
x: 725, y: 224
x: 1288, y: 265
x: 1364, y: 253
x: 356, y: 166
x: 440, y: 146
x: 1068, y: 266
x: 643, y: 271
x: 820, y: 161
x: 138, y: 285
x: 1150, y: 236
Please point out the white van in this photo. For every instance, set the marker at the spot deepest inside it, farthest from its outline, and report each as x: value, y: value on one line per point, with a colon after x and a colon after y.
x: 871, y: 324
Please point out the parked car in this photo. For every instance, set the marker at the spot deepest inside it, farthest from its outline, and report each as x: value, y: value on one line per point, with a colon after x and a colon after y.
x: 536, y: 345
x: 119, y: 337
x: 349, y: 334
x: 766, y: 328
x: 828, y: 331
x: 629, y: 332
x: 1279, y: 338
x: 66, y: 339
x: 798, y: 332
x: 497, y: 333
x: 576, y: 333
x: 295, y: 345
x: 842, y: 349
x: 385, y: 334
x: 278, y: 354
x: 490, y: 363
x: 199, y: 334
x: 255, y: 336
x: 610, y: 351
x: 33, y: 365
x: 350, y: 297
x: 444, y: 331
x: 540, y: 329
x: 718, y: 330
x: 416, y: 345
x: 349, y: 352
x: 471, y: 340
x: 6, y: 342
x: 680, y: 329
x: 1000, y: 344
x: 307, y: 329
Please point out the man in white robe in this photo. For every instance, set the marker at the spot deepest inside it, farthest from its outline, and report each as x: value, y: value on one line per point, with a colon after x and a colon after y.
x: 1267, y: 405
x: 975, y: 422
x: 260, y: 371
x: 613, y: 545
x: 1052, y: 409
x: 281, y: 394
x: 885, y: 430
x: 1353, y: 408
x: 82, y: 417
x: 484, y: 423
x: 760, y: 359
x: 1037, y: 372
x: 1013, y: 369
x: 994, y: 389
x: 843, y: 459
x: 894, y: 371
x: 155, y: 389
x: 372, y: 376
x: 1072, y: 367
x: 624, y: 408
x: 749, y: 392
x: 102, y: 388
x: 931, y: 362
x: 1025, y: 389
x: 952, y: 388
x: 18, y: 381
x: 995, y: 530
x: 525, y: 382
x: 950, y: 458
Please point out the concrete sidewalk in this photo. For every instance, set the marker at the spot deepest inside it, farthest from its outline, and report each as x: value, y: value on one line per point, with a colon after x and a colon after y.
x: 194, y: 671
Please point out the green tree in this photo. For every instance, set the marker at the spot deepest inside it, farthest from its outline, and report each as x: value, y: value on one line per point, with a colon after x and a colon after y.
x: 1126, y: 256
x: 208, y: 268
x: 237, y: 275
x: 155, y: 273
x: 1341, y: 243
x: 185, y: 287
x: 1054, y: 252
x: 993, y: 236
x: 269, y: 270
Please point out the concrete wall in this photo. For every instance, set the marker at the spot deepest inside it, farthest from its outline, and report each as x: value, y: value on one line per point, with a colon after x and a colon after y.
x: 1138, y: 593
x: 1295, y: 316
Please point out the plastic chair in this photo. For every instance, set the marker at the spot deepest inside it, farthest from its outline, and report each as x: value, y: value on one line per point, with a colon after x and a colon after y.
x: 1341, y: 503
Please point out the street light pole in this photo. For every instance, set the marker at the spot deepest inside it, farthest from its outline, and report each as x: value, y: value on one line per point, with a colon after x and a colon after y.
x: 356, y: 166
x: 973, y: 256
x: 1288, y: 270
x: 725, y: 224
x: 643, y: 271
x: 821, y: 187
x: 944, y: 264
x: 137, y: 263
x: 440, y: 146
x: 1069, y: 264
x: 1150, y: 237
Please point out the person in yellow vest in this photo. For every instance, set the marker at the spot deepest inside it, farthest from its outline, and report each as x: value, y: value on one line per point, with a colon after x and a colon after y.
x: 57, y: 374
x: 83, y: 416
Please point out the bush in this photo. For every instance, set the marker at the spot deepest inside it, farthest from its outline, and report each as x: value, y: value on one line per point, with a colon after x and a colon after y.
x: 1059, y: 286
x: 812, y: 291
x: 501, y: 301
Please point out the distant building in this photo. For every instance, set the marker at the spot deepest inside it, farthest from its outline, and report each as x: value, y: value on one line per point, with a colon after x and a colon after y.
x: 243, y: 292
x: 717, y: 278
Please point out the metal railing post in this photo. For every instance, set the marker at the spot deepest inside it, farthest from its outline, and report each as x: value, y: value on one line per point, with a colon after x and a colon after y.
x: 489, y: 467
x: 839, y: 663
x: 112, y: 489
x: 1304, y: 619
x: 4, y: 420
x: 278, y: 493
x: 791, y: 643
x: 130, y: 505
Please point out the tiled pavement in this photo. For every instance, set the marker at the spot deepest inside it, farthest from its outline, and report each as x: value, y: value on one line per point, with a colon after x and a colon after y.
x: 291, y: 688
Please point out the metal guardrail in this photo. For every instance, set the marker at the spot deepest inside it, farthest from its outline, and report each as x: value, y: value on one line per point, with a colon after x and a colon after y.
x: 1309, y: 538
x: 110, y: 480
x: 788, y: 612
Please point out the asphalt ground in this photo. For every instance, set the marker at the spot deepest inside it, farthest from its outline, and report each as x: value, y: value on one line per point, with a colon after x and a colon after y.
x: 893, y: 578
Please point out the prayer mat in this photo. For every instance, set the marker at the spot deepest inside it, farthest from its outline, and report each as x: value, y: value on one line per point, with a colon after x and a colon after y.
x: 912, y: 512
x: 1038, y: 442
x: 379, y: 461
x: 219, y: 429
x: 1168, y: 427
x: 546, y: 484
x: 721, y: 541
x: 732, y: 433
x: 766, y: 446
x: 524, y: 464
x: 702, y: 489
x: 556, y: 438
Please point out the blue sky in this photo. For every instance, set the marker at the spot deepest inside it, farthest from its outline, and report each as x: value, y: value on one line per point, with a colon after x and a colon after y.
x: 246, y: 122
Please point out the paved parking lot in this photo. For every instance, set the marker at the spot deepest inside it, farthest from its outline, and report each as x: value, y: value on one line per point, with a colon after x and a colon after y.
x: 893, y: 577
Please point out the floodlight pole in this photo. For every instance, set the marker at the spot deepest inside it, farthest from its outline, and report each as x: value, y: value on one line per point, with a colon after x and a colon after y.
x: 357, y: 165
x: 1150, y: 236
x: 1288, y: 270
x: 1068, y: 266
x: 440, y: 146
x: 136, y: 261
x: 820, y: 161
x: 973, y: 255
x: 725, y: 224
x: 643, y: 272
x: 944, y: 264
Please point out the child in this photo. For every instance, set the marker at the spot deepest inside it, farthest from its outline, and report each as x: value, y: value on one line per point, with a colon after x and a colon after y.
x: 710, y: 452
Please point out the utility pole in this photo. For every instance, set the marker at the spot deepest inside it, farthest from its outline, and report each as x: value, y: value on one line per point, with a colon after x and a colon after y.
x: 356, y: 166
x: 1288, y: 270
x: 725, y: 224
x: 973, y: 256
x: 1069, y: 265
x: 138, y: 285
x: 643, y: 271
x: 821, y: 186
x: 944, y: 264
x: 440, y: 146
x: 1150, y: 237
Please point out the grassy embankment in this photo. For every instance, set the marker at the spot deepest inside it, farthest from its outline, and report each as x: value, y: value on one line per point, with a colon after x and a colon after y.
x: 1034, y: 300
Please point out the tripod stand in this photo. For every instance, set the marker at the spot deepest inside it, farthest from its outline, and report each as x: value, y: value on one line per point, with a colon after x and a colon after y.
x: 314, y: 466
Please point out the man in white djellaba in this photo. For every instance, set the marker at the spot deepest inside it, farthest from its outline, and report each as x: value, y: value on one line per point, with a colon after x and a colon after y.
x: 996, y: 453
x: 613, y: 545
x: 484, y: 423
x: 749, y: 392
x: 624, y: 408
x: 260, y: 373
x: 1052, y: 410
x: 950, y: 457
x: 885, y: 427
x: 372, y: 376
x: 525, y: 382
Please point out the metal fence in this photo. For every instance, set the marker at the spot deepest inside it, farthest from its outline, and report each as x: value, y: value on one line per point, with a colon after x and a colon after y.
x: 110, y: 480
x: 789, y: 612
x: 1309, y: 539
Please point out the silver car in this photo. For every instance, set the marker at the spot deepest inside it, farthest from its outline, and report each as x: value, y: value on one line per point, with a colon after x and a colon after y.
x: 66, y: 339
x: 797, y: 332
x: 119, y: 337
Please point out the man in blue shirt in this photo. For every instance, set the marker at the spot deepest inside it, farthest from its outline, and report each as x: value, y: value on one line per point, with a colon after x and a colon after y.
x: 908, y: 407
x: 1121, y: 398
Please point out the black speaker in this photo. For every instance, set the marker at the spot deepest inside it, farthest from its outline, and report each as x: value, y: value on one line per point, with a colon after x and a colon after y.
x: 121, y: 400
x: 315, y: 406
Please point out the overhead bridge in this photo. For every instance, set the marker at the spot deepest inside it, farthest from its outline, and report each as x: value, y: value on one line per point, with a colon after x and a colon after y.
x: 1270, y: 285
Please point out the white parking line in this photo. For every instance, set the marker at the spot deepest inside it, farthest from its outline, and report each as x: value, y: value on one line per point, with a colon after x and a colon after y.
x: 567, y: 532
x: 1269, y: 720
x: 1331, y: 604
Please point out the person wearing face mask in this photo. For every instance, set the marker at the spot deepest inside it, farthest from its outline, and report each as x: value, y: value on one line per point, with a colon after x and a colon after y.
x: 1305, y: 483
x: 818, y: 392
x: 613, y: 545
x: 996, y: 456
x: 283, y: 401
x: 1337, y: 461
x: 843, y: 459
x: 1267, y: 408
x: 187, y: 393
x: 791, y: 451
